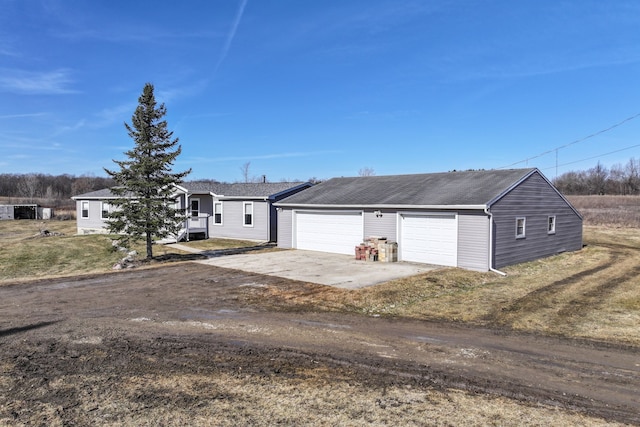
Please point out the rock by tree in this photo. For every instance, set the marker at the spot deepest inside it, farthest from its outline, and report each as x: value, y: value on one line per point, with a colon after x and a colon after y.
x: 145, y: 182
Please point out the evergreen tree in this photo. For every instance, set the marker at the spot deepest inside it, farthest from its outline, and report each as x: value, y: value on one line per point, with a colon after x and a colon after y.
x: 145, y: 184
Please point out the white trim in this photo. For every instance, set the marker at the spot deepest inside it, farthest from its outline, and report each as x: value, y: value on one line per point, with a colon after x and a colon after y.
x: 102, y: 209
x: 191, y: 200
x: 490, y: 236
x: 379, y: 206
x: 256, y: 198
x: 221, y: 213
x: 82, y: 216
x: 524, y: 227
x: 553, y: 224
x: 244, y: 214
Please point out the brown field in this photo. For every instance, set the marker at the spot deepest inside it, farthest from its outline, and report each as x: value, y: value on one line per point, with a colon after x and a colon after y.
x: 610, y: 211
x: 84, y: 362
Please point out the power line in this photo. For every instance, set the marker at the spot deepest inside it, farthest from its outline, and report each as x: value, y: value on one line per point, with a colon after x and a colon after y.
x: 593, y: 157
x: 575, y: 142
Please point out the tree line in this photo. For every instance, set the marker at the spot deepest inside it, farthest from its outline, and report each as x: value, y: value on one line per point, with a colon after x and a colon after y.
x: 54, y: 190
x: 57, y: 190
x: 618, y: 180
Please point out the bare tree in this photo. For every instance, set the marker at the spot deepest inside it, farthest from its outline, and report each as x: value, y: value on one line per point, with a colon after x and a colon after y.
x: 597, y: 178
x: 366, y: 171
x: 82, y: 184
x: 245, y: 171
x: 616, y: 181
x: 632, y: 176
x: 56, y: 189
x: 28, y: 186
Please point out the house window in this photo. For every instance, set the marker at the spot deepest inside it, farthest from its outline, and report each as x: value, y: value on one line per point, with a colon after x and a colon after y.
x: 551, y: 225
x: 247, y: 207
x: 217, y: 213
x: 85, y: 209
x: 195, y: 208
x: 520, y: 228
x: 104, y: 212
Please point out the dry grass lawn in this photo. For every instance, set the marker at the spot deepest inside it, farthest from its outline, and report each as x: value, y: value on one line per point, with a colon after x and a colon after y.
x: 26, y: 254
x: 215, y: 244
x: 316, y: 400
x: 593, y: 293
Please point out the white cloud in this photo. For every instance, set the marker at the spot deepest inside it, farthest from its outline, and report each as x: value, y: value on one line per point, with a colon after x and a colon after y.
x: 117, y: 114
x: 69, y: 128
x: 260, y: 156
x: 231, y: 35
x: 21, y: 116
x: 7, y: 52
x: 36, y: 83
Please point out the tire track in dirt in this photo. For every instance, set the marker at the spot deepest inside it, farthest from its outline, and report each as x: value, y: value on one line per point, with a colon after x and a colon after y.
x: 542, y: 298
x: 597, y: 296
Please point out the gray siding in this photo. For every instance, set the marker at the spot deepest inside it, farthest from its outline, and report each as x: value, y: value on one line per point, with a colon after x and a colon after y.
x: 473, y: 241
x: 6, y: 211
x: 93, y: 224
x: 285, y: 228
x: 384, y: 226
x: 535, y: 200
x: 233, y: 221
x: 206, y: 203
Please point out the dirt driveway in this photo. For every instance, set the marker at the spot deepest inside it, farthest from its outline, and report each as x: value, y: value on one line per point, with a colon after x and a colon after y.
x: 341, y: 271
x: 125, y: 348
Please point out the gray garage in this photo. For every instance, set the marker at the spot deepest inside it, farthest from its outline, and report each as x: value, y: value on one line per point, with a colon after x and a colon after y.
x: 479, y: 220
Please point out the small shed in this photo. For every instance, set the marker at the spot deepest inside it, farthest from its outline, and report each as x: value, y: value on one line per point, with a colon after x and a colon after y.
x: 19, y: 211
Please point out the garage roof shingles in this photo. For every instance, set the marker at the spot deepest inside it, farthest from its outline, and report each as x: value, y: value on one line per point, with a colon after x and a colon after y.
x: 434, y: 189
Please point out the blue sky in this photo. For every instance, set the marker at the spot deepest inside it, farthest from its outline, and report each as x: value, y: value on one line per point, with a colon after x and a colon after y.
x: 305, y: 89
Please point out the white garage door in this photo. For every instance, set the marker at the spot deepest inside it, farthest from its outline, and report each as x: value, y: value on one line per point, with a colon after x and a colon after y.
x: 329, y: 232
x: 431, y: 239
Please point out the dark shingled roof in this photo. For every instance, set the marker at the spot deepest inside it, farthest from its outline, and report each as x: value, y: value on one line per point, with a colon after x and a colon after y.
x: 433, y: 189
x: 105, y: 193
x: 249, y: 190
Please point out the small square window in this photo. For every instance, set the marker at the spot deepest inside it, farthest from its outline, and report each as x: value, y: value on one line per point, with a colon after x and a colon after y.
x: 248, y: 214
x: 85, y: 210
x: 106, y: 208
x: 551, y: 225
x: 217, y: 213
x: 520, y: 227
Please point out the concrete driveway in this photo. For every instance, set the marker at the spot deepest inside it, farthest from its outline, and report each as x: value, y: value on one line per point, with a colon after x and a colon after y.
x: 342, y: 271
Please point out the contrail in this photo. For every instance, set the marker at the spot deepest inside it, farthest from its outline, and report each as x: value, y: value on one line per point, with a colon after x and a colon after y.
x: 231, y: 35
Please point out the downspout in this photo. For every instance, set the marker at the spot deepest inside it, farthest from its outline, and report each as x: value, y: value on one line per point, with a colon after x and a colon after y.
x: 502, y: 273
x: 188, y: 211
